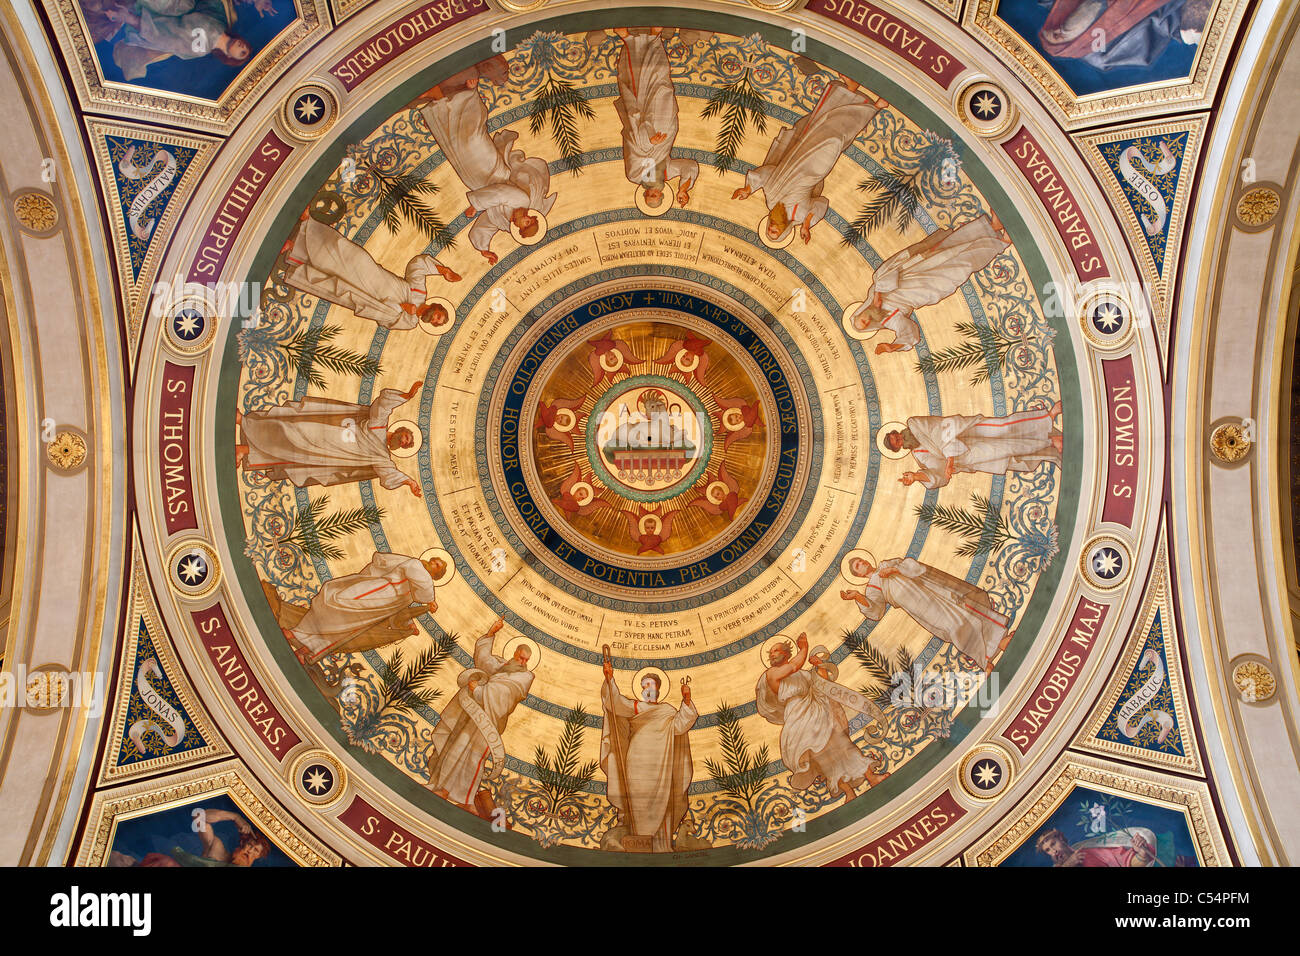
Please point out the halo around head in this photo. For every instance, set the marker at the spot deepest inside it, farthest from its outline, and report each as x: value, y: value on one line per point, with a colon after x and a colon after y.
x: 414, y: 429
x: 846, y: 565
x: 534, y: 652
x: 766, y: 650
x: 850, y: 329
x: 787, y: 237
x: 465, y: 676
x: 430, y: 329
x: 650, y: 210
x: 446, y: 559
x: 885, y: 450
x: 665, y: 685
x: 536, y: 237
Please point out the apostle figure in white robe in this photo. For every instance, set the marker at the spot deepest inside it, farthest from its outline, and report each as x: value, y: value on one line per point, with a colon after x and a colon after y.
x: 946, y: 606
x: 322, y: 441
x: 944, y: 445
x: 924, y: 273
x: 647, y: 107
x: 322, y: 262
x: 799, y: 159
x: 467, y: 739
x: 364, y: 610
x: 645, y: 753
x: 504, y: 187
x: 815, y: 738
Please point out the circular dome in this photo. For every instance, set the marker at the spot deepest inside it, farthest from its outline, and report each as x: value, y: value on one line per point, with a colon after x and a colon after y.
x: 651, y: 439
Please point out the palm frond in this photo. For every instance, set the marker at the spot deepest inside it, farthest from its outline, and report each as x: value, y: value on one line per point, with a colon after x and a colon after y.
x: 398, y: 201
x: 984, y: 349
x: 312, y: 527
x: 876, y: 664
x: 561, y: 775
x: 983, y: 527
x: 308, y: 348
x: 741, y: 774
x: 739, y: 105
x: 561, y: 104
x: 895, y: 196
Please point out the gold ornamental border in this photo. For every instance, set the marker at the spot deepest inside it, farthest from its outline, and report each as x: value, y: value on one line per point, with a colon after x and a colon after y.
x: 445, y: 836
x: 132, y: 101
x: 1188, y: 797
x: 1159, y: 282
x: 140, y: 607
x: 229, y: 779
x: 1158, y: 600
x: 1129, y: 102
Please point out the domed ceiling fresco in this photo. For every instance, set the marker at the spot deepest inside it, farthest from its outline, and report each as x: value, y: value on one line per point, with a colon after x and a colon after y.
x: 516, y: 434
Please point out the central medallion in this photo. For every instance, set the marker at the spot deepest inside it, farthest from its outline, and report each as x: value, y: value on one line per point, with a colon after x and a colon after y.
x: 650, y: 440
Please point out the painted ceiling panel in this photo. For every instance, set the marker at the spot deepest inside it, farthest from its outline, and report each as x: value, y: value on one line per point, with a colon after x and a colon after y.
x: 823, y: 433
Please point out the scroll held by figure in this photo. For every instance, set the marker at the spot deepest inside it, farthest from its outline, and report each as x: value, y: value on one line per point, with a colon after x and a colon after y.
x: 809, y: 707
x: 467, y: 740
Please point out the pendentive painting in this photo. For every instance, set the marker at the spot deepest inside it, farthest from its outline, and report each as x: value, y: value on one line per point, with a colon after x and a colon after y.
x: 211, y: 831
x: 1093, y: 828
x: 1098, y: 46
x: 189, y: 47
